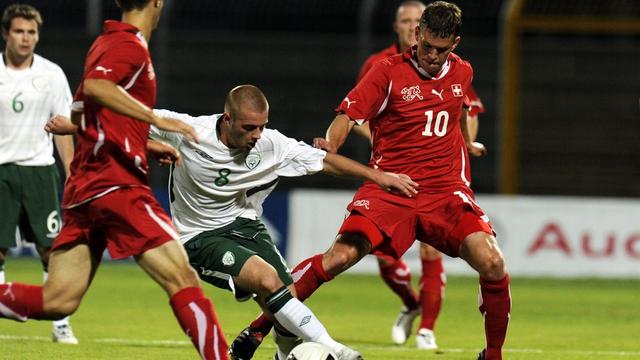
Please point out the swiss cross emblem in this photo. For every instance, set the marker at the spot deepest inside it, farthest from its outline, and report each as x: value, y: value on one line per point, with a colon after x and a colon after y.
x: 457, y: 90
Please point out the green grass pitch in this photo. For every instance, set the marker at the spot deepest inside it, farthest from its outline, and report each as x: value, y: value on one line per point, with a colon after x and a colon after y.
x: 126, y: 316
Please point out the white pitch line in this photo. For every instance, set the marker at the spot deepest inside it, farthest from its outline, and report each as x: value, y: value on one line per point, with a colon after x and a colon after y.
x: 361, y: 347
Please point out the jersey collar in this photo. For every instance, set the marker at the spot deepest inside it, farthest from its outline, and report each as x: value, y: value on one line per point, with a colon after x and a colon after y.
x: 410, y: 55
x: 112, y: 26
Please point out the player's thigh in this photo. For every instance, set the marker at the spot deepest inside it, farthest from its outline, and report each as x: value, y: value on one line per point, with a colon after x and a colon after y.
x: 42, y: 220
x: 218, y: 259
x: 446, y: 218
x: 10, y: 204
x: 71, y: 270
x: 255, y: 237
x: 167, y: 265
x: 481, y: 251
x: 259, y: 277
x: 133, y: 222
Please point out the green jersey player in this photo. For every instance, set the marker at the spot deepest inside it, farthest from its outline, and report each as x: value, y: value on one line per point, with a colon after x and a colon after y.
x: 216, y: 195
x: 32, y: 89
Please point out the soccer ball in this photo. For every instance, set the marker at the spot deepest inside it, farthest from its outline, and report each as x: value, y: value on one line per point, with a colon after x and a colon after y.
x: 311, y: 351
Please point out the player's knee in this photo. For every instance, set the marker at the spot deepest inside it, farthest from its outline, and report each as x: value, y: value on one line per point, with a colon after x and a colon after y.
x: 184, y: 278
x: 493, y: 268
x: 340, y: 258
x: 59, y: 308
x: 268, y: 284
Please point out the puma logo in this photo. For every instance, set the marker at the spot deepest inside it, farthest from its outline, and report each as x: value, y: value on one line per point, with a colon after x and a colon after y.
x: 9, y: 292
x: 349, y: 102
x: 103, y: 69
x: 434, y: 92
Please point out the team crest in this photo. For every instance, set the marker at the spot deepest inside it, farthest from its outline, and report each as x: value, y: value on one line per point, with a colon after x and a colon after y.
x: 410, y: 93
x: 40, y: 83
x: 228, y: 259
x: 252, y: 160
x: 457, y: 90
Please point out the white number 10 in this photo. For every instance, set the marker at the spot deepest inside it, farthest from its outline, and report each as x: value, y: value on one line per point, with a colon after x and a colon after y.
x: 440, y: 127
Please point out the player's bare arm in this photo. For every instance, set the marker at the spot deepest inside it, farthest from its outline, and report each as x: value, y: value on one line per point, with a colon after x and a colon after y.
x: 115, y: 98
x: 64, y: 146
x: 342, y: 166
x: 336, y: 134
x: 474, y: 148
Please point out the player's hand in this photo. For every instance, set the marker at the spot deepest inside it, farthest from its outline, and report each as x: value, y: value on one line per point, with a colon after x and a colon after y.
x: 322, y: 143
x: 60, y: 125
x: 476, y: 149
x: 175, y: 125
x: 397, y: 183
x: 165, y: 154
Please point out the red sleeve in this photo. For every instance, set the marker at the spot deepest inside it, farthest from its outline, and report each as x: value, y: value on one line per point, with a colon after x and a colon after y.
x: 365, y: 101
x: 120, y: 63
x: 475, y: 104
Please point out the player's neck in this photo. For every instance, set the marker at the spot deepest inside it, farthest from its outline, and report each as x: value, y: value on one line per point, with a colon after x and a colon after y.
x: 17, y: 62
x: 140, y: 20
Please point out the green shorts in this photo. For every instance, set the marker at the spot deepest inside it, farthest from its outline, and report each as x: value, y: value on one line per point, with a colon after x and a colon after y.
x: 219, y: 255
x: 30, y: 202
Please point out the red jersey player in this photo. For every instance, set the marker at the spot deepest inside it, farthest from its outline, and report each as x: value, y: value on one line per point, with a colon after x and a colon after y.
x: 397, y: 274
x: 107, y: 201
x: 414, y: 105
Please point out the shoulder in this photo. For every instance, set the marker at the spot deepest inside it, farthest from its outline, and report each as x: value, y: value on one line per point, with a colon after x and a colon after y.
x: 383, y: 54
x: 460, y: 63
x: 274, y: 135
x: 47, y: 64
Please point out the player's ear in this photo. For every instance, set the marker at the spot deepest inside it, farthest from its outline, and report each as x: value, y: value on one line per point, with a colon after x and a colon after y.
x: 455, y: 43
x: 226, y: 118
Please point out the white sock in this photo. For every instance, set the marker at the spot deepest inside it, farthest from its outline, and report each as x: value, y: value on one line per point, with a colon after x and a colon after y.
x: 2, y: 277
x: 297, y: 318
x: 56, y: 323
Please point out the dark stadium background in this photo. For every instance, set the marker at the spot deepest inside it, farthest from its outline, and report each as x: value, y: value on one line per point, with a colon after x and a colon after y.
x: 579, y: 115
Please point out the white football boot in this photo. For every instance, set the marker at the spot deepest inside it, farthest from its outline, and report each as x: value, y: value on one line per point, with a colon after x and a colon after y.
x: 63, y: 334
x: 402, y: 327
x: 426, y: 340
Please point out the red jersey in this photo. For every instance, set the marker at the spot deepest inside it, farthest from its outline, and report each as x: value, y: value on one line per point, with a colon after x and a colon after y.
x: 475, y: 104
x: 415, y: 118
x: 111, y: 148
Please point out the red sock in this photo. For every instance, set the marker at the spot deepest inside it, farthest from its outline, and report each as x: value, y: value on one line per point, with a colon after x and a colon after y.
x: 198, y: 320
x: 21, y: 301
x: 262, y: 324
x: 308, y: 275
x: 495, y: 306
x: 397, y: 276
x: 432, y: 285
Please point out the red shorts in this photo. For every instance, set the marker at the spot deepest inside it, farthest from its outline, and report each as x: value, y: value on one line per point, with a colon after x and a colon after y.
x: 441, y: 219
x: 127, y: 221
